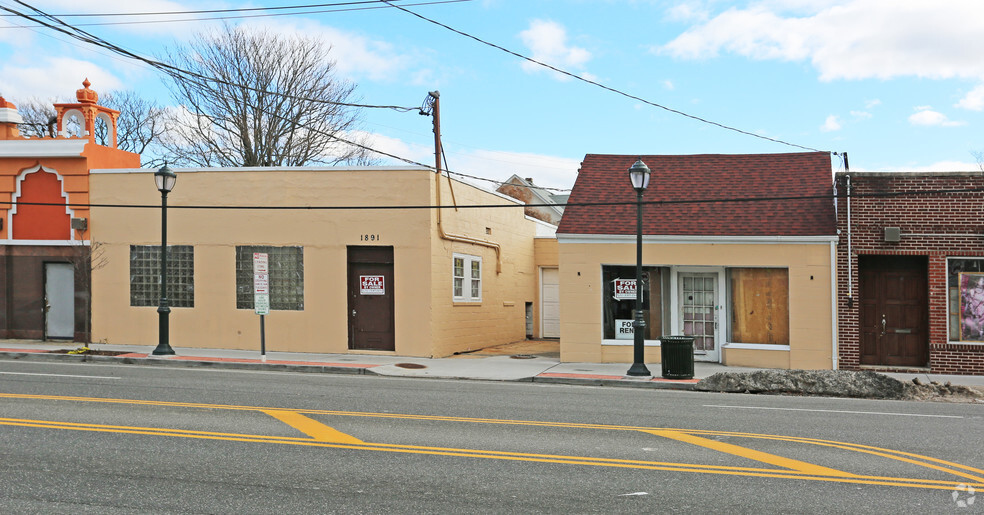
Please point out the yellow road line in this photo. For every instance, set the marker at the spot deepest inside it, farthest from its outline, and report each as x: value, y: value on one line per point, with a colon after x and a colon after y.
x: 312, y: 428
x: 744, y: 452
x: 498, y: 455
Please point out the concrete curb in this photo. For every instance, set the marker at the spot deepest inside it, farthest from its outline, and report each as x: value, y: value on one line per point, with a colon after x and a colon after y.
x: 355, y: 369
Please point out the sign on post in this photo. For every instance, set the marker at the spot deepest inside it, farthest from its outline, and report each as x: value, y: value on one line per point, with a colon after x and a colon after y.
x: 261, y: 283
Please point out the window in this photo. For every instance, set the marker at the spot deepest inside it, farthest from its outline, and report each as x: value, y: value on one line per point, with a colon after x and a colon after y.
x: 286, y: 269
x: 965, y: 299
x: 467, y: 275
x: 145, y: 275
x: 618, y: 301
x: 759, y: 305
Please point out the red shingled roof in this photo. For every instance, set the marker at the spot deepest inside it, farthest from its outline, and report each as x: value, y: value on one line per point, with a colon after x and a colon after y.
x: 605, y: 178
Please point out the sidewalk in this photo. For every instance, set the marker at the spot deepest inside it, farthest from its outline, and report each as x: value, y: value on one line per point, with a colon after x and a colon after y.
x: 535, y: 361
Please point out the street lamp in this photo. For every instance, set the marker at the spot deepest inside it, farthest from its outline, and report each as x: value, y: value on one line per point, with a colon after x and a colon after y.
x: 639, y: 175
x: 165, y: 179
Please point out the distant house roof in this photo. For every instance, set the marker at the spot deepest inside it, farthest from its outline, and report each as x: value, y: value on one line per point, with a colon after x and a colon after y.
x: 605, y: 178
x: 545, y: 204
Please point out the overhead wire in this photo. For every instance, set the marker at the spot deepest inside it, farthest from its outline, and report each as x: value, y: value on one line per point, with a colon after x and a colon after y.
x: 598, y: 84
x: 245, y: 16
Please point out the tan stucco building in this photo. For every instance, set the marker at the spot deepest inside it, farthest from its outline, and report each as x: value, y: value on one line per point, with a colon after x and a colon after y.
x: 360, y: 262
x: 738, y: 252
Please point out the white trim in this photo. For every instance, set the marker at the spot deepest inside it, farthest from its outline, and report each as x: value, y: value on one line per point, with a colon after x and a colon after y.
x: 46, y: 243
x: 269, y: 169
x: 68, y: 115
x: 755, y: 346
x: 17, y: 194
x: 834, y: 301
x: 42, y: 148
x: 691, y: 240
x: 467, y: 280
x: 630, y: 343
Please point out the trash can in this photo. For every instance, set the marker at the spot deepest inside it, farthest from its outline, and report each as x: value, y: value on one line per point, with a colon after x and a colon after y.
x: 678, y: 357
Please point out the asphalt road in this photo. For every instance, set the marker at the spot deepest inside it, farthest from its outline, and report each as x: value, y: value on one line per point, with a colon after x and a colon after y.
x: 87, y: 438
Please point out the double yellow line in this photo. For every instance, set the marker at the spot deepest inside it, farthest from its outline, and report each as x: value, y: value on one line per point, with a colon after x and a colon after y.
x: 321, y: 435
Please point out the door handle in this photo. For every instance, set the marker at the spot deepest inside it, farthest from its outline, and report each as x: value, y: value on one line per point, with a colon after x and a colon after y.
x: 353, y: 312
x: 884, y: 323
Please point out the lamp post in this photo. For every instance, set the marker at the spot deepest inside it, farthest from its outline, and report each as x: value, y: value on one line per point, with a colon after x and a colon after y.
x: 639, y: 175
x: 165, y: 179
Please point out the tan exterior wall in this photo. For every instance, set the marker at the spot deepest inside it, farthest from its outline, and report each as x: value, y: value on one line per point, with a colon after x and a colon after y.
x: 546, y: 253
x: 215, y: 322
x: 501, y: 315
x: 810, y: 301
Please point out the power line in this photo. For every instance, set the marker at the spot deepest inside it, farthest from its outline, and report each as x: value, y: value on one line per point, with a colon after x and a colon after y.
x: 602, y: 86
x: 215, y: 11
x: 721, y: 200
x: 171, y: 70
x: 245, y: 16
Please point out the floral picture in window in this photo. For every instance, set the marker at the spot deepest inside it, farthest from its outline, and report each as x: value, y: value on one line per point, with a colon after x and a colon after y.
x: 971, y: 306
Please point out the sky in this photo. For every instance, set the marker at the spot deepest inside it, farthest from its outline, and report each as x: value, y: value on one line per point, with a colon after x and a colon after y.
x: 896, y: 84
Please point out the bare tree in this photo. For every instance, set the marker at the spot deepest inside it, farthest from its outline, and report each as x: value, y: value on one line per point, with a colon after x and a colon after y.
x: 38, y: 117
x: 979, y: 156
x: 276, y: 101
x: 140, y: 126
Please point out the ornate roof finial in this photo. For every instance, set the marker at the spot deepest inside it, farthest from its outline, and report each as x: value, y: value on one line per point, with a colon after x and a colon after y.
x: 86, y: 95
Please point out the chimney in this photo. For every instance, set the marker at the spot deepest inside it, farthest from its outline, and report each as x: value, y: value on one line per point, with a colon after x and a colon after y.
x: 9, y: 119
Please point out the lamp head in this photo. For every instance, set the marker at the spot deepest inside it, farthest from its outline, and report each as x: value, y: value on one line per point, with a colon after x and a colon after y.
x: 639, y: 175
x: 165, y: 179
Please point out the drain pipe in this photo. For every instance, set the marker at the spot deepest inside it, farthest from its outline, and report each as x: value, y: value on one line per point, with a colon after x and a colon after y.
x: 434, y: 101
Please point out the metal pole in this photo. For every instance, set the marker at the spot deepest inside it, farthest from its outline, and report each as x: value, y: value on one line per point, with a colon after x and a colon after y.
x: 638, y: 367
x: 163, y: 310
x: 262, y: 339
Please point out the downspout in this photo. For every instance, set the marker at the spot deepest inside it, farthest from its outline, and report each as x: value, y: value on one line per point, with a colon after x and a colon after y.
x: 435, y: 98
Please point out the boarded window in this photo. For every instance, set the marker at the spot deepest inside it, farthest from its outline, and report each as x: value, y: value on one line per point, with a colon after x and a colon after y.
x: 760, y: 305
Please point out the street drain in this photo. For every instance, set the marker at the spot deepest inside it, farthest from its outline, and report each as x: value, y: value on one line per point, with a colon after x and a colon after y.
x: 522, y: 356
x: 410, y: 365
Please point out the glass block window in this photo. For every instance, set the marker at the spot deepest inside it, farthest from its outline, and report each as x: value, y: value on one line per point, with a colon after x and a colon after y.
x: 286, y: 269
x: 467, y: 278
x: 145, y: 275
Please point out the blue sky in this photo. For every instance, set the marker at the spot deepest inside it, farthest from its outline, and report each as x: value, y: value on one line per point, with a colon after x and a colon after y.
x: 897, y: 84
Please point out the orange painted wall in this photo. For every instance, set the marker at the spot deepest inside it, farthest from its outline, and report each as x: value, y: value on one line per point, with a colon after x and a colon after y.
x: 41, y: 222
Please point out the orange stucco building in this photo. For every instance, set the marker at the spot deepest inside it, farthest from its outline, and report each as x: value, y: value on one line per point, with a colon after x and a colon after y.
x: 45, y: 251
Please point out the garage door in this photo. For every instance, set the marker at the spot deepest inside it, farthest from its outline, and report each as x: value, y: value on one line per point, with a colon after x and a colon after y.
x: 550, y: 303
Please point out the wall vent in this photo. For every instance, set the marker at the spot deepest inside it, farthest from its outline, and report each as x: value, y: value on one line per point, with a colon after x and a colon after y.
x: 893, y: 234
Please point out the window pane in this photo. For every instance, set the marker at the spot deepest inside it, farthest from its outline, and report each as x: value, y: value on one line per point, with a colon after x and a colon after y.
x: 286, y: 270
x: 476, y: 270
x: 459, y: 285
x: 145, y: 275
x: 954, y: 268
x: 760, y: 305
x: 459, y: 267
x: 618, y: 313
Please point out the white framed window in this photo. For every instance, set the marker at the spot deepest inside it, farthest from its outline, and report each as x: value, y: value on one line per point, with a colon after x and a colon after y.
x: 467, y: 278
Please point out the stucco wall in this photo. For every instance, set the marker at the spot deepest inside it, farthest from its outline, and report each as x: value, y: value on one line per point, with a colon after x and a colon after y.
x: 810, y: 300
x: 214, y: 321
x: 501, y: 315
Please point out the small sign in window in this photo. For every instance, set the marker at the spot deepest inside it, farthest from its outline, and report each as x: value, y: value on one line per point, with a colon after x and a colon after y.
x: 372, y: 285
x: 625, y: 289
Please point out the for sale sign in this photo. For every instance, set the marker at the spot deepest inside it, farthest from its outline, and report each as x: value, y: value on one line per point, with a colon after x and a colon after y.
x: 625, y: 289
x: 372, y: 285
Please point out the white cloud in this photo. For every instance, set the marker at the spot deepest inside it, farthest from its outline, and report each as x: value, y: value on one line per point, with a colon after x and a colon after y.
x: 852, y: 39
x: 926, y: 116
x: 872, y: 103
x: 974, y: 100
x: 668, y: 84
x: 54, y: 78
x: 547, y: 41
x: 861, y: 115
x: 831, y: 124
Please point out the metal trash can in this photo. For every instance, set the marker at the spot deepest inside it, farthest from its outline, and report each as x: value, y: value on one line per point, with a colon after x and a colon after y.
x: 677, y: 357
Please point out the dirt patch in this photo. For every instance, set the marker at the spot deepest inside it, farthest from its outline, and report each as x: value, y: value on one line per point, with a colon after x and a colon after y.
x: 89, y: 352
x: 836, y: 383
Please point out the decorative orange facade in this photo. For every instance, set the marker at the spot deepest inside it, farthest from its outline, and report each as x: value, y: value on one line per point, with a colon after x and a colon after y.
x: 44, y: 214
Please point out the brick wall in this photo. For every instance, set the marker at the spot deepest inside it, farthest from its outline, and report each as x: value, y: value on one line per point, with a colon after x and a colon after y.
x: 936, y: 222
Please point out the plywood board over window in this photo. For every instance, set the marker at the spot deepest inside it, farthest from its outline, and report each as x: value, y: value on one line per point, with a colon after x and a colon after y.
x: 760, y: 305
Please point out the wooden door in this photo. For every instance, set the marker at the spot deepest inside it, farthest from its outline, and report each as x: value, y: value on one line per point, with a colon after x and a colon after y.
x: 370, y: 292
x: 894, y: 311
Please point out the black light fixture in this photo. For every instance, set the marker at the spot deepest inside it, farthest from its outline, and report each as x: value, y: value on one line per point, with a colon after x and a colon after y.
x: 165, y: 180
x: 639, y: 175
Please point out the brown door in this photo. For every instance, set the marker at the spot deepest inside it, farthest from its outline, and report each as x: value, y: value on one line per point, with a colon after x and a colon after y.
x: 894, y: 311
x: 370, y: 292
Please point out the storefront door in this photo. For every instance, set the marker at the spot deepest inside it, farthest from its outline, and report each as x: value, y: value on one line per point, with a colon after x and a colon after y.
x: 59, y: 300
x: 698, y: 308
x: 370, y: 292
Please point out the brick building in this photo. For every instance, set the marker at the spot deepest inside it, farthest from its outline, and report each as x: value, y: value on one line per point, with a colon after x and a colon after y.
x: 911, y: 295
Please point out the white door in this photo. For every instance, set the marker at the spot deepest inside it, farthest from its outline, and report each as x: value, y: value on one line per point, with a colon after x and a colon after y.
x: 549, y: 303
x: 698, y: 306
x: 59, y: 297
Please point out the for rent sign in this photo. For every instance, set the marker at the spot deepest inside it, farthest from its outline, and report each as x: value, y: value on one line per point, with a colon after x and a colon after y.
x: 372, y: 285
